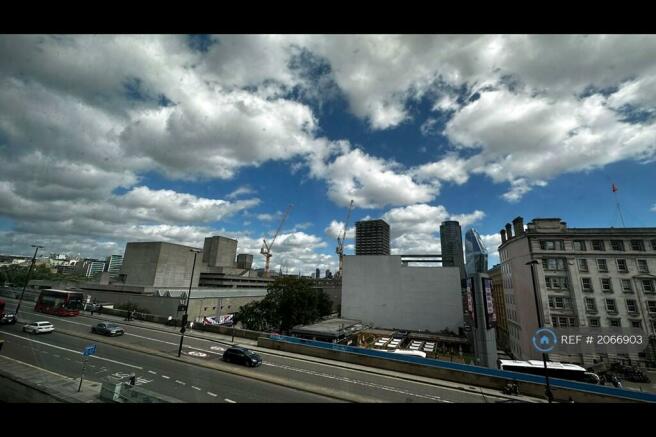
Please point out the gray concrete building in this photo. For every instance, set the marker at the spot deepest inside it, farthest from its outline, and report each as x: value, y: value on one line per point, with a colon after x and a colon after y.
x: 381, y: 291
x: 586, y: 277
x: 219, y: 251
x: 451, y: 243
x: 372, y: 237
x: 159, y: 264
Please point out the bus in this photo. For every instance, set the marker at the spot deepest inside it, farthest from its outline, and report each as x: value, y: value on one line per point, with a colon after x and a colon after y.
x: 555, y: 370
x: 60, y: 302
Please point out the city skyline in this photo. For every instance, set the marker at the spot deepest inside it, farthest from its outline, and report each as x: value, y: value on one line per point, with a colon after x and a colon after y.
x: 177, y: 138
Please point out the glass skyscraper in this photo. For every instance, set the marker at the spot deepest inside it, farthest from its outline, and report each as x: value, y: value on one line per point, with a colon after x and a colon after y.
x: 475, y: 253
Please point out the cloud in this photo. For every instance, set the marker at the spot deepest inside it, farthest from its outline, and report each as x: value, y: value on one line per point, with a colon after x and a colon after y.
x: 265, y: 217
x: 243, y: 190
x: 336, y: 228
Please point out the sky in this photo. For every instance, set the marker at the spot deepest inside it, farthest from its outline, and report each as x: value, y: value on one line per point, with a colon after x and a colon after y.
x: 116, y: 138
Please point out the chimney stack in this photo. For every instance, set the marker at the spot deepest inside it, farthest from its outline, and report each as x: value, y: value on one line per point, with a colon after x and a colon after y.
x: 509, y: 234
x: 518, y: 224
x: 503, y: 236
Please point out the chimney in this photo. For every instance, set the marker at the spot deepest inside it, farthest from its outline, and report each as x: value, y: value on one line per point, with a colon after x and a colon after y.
x: 503, y: 236
x: 518, y: 224
x: 509, y: 231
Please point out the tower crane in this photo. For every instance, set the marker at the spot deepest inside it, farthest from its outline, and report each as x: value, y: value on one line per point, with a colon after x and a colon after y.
x: 340, y: 241
x: 266, y: 247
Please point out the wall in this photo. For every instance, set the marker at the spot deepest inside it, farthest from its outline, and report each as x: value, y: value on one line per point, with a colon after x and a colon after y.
x: 379, y: 289
x: 219, y: 251
x: 175, y: 264
x: 140, y: 263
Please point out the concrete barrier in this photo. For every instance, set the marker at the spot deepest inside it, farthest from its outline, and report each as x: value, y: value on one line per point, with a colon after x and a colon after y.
x: 120, y: 392
x: 226, y: 330
x: 530, y: 385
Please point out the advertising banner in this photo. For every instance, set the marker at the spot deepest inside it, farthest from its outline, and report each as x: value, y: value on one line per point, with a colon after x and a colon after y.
x: 471, y: 300
x: 490, y: 314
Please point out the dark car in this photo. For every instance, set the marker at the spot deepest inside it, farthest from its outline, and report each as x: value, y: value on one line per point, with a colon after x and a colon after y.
x: 107, y: 329
x: 8, y: 319
x: 241, y: 355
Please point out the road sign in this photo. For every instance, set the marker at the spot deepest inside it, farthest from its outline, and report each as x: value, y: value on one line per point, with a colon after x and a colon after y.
x: 90, y: 350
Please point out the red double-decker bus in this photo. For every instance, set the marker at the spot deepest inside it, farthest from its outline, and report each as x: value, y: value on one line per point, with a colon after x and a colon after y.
x: 60, y: 302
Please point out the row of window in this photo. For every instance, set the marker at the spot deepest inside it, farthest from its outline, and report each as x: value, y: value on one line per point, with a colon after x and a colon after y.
x: 648, y: 285
x: 594, y: 322
x: 611, y: 306
x: 622, y: 267
x: 597, y: 245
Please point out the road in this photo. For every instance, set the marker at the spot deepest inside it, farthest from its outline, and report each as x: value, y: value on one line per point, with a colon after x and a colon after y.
x: 197, y: 384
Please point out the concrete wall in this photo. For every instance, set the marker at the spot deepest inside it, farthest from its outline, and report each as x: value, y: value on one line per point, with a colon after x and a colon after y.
x: 160, y: 265
x: 140, y: 263
x: 379, y: 289
x: 219, y: 251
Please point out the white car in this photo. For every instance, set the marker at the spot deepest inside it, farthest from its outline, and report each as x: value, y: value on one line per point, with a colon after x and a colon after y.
x: 38, y: 327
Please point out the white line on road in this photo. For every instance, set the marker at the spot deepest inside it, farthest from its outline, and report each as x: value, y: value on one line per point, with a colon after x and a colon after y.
x: 212, y: 394
x: 154, y: 373
x: 230, y: 401
x: 180, y: 382
x: 166, y: 377
x: 196, y: 388
x: 73, y: 351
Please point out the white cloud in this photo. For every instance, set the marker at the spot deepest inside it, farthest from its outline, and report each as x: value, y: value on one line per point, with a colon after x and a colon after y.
x: 265, y: 217
x: 243, y: 190
x: 336, y: 228
x: 451, y: 169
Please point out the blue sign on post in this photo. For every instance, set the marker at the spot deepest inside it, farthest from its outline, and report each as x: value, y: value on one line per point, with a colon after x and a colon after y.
x: 90, y: 350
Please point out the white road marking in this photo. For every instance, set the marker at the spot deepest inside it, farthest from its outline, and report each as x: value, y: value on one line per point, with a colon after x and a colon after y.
x: 230, y: 401
x: 196, y: 388
x: 180, y: 382
x: 166, y: 377
x: 197, y: 354
x: 154, y: 373
x: 39, y: 368
x: 212, y: 394
x: 73, y: 351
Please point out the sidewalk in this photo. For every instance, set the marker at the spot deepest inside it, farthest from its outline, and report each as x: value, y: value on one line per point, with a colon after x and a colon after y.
x: 23, y: 382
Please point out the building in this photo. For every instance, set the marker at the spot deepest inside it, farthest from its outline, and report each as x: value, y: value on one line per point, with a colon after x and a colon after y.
x: 383, y: 292
x: 329, y: 274
x: 219, y: 251
x: 585, y: 277
x: 317, y: 274
x: 113, y: 265
x: 159, y: 264
x: 500, y: 308
x: 475, y: 253
x: 91, y: 267
x: 372, y: 237
x: 451, y: 243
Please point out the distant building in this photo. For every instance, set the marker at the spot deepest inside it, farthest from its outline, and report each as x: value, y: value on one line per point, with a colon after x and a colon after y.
x: 113, y: 265
x: 500, y: 308
x: 318, y: 273
x: 91, y: 267
x: 329, y: 274
x: 451, y: 242
x: 159, y: 264
x: 475, y: 253
x: 372, y: 237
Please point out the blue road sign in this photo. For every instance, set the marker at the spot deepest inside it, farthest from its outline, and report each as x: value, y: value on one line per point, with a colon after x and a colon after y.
x: 90, y: 350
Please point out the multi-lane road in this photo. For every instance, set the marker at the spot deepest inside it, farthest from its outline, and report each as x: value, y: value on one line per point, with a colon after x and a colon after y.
x: 121, y: 356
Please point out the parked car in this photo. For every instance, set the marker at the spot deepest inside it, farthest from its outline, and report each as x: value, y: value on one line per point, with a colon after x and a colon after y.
x: 39, y: 327
x: 241, y: 355
x: 8, y: 319
x: 110, y: 329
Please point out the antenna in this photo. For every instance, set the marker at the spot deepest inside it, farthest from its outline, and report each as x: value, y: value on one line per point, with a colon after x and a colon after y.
x: 617, y: 202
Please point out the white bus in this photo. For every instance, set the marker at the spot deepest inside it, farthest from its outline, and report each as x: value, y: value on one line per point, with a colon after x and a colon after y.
x: 554, y: 370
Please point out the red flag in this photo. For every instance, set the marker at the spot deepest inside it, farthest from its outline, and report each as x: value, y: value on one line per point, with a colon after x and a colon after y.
x: 614, y: 188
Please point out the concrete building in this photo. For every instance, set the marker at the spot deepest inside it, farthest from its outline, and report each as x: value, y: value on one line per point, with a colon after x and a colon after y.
x: 113, y: 265
x: 220, y: 252
x: 451, y: 243
x: 244, y: 261
x: 329, y: 274
x: 225, y: 280
x: 482, y: 314
x: 381, y: 291
x: 475, y: 253
x: 159, y: 264
x: 586, y: 277
x: 372, y: 237
x: 317, y: 274
x: 500, y: 308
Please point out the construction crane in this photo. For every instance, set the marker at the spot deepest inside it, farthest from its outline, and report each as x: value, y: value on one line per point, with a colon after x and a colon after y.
x: 266, y: 248
x: 340, y: 241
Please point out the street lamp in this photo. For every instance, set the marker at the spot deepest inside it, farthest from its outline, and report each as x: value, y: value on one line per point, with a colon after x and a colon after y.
x: 540, y: 325
x: 185, y: 315
x: 29, y: 273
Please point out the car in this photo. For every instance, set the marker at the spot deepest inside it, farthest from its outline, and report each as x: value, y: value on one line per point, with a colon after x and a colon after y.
x: 105, y: 328
x: 241, y: 355
x: 39, y: 327
x: 8, y: 319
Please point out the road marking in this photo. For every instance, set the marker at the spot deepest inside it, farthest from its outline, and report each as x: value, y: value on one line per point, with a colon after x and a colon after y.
x: 194, y: 387
x: 154, y: 373
x: 166, y: 377
x: 73, y: 351
x: 230, y: 401
x: 39, y: 368
x: 212, y: 394
x: 180, y: 382
x: 197, y: 354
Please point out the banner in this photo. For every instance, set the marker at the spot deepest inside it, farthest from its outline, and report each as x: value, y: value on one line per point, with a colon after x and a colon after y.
x: 471, y: 300
x: 490, y: 314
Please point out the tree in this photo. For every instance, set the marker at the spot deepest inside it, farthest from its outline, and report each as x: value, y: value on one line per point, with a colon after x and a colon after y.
x: 289, y: 302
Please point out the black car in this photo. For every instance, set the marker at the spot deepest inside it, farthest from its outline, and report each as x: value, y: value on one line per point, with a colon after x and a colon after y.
x: 243, y: 356
x: 107, y: 329
x: 7, y: 319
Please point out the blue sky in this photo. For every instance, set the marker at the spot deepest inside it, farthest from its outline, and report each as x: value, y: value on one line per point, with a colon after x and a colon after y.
x: 109, y: 139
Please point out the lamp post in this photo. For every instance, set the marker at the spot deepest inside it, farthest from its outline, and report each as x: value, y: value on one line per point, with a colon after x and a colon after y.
x: 540, y: 325
x: 29, y: 273
x: 185, y: 315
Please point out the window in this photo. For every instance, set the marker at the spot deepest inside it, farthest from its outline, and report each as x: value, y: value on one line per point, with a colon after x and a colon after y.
x: 636, y: 323
x: 621, y: 266
x: 606, y: 285
x: 631, y: 306
x: 598, y: 245
x: 615, y: 322
x: 587, y: 284
x: 558, y: 302
x: 579, y: 245
x: 653, y: 244
x: 590, y: 305
x: 648, y: 285
x: 583, y: 265
x: 556, y: 282
x: 594, y: 323
x: 602, y: 266
x: 553, y: 263
x: 642, y: 266
x: 610, y: 306
x: 626, y: 286
x: 563, y: 322
x: 651, y: 305
x: 551, y: 244
x: 617, y: 245
x: 638, y: 245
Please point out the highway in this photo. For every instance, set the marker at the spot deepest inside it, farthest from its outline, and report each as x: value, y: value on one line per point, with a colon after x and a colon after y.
x: 60, y: 353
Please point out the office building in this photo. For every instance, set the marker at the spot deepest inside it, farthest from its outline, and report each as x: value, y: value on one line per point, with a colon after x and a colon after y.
x: 451, y: 242
x: 499, y: 308
x: 372, y: 237
x: 475, y: 253
x: 113, y: 265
